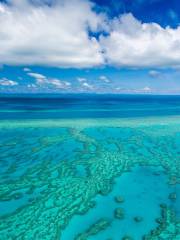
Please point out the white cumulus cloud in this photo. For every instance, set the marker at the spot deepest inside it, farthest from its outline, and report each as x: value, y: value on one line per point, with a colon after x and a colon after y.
x: 55, y: 35
x: 154, y: 73
x: 80, y: 79
x: 87, y: 86
x: 59, y: 35
x: 134, y: 44
x: 7, y: 82
x: 48, y: 82
x: 104, y: 79
x: 26, y: 69
x: 146, y: 89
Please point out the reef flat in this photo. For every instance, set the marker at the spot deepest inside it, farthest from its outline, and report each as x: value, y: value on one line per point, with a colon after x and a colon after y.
x: 54, y: 174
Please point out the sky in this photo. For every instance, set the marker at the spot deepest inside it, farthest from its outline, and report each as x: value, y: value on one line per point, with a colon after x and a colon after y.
x: 100, y: 46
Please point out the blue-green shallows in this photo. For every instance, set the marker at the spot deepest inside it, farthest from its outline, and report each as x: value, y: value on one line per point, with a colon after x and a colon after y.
x: 109, y: 170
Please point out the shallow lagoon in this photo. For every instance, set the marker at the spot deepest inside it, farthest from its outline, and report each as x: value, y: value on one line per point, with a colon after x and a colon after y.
x: 94, y: 179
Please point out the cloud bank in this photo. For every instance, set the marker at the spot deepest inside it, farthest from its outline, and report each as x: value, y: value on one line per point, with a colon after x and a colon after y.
x: 70, y: 33
x: 57, y: 35
x: 134, y: 44
x: 47, y: 82
x: 7, y: 82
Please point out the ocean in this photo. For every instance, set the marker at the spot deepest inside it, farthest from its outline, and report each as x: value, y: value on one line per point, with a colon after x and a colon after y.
x: 89, y: 167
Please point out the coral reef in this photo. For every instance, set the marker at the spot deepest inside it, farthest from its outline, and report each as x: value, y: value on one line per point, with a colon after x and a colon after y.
x: 98, y: 226
x: 51, y: 174
x: 119, y: 199
x: 138, y: 219
x: 168, y: 228
x: 119, y: 213
x: 172, y: 196
x: 127, y: 238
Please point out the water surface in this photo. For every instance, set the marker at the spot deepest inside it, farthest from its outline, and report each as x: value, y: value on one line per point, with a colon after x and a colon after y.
x: 93, y: 167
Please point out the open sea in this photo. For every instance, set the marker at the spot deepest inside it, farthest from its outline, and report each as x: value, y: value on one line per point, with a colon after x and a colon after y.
x: 89, y: 167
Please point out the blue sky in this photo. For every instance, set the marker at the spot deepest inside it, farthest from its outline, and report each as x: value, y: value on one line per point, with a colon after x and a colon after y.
x: 163, y: 12
x: 126, y: 46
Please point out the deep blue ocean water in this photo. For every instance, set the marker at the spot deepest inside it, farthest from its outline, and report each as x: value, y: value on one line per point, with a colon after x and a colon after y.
x: 86, y: 106
x: 89, y: 167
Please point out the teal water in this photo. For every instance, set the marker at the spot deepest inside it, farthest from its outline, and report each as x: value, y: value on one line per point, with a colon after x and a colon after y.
x: 95, y: 168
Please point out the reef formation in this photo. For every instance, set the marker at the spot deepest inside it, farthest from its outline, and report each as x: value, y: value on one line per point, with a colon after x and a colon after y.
x: 50, y: 175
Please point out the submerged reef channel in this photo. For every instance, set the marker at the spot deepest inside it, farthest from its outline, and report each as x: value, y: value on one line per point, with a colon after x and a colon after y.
x: 51, y: 175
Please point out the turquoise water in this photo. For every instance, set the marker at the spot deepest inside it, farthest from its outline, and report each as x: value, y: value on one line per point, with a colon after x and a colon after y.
x: 95, y: 168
